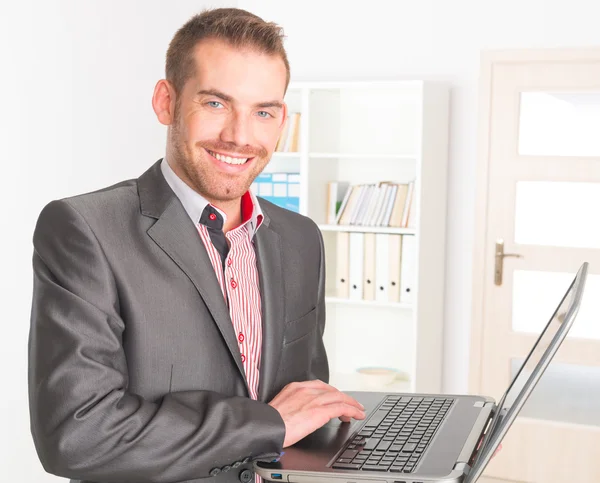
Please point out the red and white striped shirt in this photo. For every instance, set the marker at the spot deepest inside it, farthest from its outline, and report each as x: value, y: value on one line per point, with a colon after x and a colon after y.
x: 239, y: 278
x: 240, y: 285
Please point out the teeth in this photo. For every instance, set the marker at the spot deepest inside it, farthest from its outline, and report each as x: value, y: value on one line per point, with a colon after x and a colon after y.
x: 228, y: 159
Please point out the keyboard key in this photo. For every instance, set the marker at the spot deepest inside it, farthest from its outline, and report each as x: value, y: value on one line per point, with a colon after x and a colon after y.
x: 372, y: 443
x: 350, y: 453
x: 376, y: 418
x: 375, y: 467
x: 383, y: 446
x: 409, y: 447
x: 346, y: 466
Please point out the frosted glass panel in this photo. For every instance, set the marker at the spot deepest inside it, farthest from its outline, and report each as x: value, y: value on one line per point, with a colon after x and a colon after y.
x: 559, y: 124
x: 566, y: 392
x: 558, y: 214
x: 536, y: 295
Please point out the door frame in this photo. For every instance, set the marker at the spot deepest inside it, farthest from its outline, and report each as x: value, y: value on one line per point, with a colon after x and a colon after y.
x: 483, y: 250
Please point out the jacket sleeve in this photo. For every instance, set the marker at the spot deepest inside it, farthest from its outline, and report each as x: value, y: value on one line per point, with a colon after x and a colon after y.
x: 319, y: 364
x: 85, y: 422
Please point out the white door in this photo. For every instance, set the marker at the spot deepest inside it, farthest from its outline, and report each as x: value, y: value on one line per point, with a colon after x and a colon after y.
x: 539, y: 192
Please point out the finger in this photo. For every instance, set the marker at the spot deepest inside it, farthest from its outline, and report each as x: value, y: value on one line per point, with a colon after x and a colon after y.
x: 345, y: 419
x: 337, y: 397
x: 317, y: 384
x: 338, y: 410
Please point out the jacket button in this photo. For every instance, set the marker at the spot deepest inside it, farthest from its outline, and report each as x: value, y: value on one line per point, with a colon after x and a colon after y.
x: 215, y: 471
x: 246, y: 476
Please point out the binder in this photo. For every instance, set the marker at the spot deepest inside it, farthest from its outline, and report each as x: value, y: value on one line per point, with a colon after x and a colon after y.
x: 408, y: 268
x: 336, y: 194
x: 345, y: 215
x: 395, y: 260
x: 342, y: 265
x: 357, y: 251
x: 359, y: 203
x: 399, y: 208
x: 282, y: 189
x: 382, y: 251
x: 369, y: 267
x: 408, y: 212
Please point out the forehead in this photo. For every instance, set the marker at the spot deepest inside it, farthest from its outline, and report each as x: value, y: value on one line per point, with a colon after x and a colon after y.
x: 243, y: 73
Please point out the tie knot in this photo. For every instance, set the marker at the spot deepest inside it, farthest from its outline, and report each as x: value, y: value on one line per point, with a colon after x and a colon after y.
x: 211, y: 218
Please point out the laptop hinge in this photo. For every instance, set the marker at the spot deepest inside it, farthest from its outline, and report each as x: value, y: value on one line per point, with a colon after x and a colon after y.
x: 464, y: 467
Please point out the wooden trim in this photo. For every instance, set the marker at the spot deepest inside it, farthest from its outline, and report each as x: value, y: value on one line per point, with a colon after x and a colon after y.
x: 481, y: 202
x: 576, y: 54
x: 482, y: 249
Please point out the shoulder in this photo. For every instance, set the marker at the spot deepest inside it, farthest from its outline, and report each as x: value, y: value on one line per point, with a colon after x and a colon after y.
x: 106, y: 200
x: 110, y: 204
x: 293, y: 228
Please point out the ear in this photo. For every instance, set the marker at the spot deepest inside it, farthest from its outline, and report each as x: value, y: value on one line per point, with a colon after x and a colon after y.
x: 163, y: 102
x: 284, y: 114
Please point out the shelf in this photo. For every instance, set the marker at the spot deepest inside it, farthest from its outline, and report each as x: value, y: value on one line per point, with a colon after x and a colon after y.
x: 362, y: 156
x: 368, y: 303
x: 358, y: 84
x: 369, y: 229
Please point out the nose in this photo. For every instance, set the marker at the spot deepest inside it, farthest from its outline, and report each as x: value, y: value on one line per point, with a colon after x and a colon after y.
x: 237, y: 130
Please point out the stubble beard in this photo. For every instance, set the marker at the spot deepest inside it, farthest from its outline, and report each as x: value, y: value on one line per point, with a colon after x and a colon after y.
x: 214, y: 186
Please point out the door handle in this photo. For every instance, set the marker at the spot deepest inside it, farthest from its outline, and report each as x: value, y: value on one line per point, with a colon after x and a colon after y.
x: 500, y: 256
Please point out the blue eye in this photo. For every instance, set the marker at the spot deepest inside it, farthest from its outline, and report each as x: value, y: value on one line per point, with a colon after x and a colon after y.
x: 263, y: 114
x: 214, y: 104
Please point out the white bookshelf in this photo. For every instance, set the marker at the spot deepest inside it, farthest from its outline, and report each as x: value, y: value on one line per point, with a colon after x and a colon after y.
x: 365, y: 132
x: 369, y: 229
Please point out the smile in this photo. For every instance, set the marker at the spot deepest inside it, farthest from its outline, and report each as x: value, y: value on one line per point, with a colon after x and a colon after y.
x: 227, y: 159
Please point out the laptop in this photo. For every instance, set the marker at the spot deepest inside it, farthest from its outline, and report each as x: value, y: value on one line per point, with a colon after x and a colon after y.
x: 419, y: 438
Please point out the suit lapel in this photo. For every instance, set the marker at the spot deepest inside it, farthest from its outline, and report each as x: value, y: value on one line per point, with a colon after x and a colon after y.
x: 177, y: 236
x: 268, y: 251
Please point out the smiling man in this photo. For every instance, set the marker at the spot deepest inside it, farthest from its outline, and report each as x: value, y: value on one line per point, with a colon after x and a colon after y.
x: 177, y: 320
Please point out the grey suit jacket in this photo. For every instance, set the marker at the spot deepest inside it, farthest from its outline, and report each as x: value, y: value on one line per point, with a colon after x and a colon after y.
x: 135, y: 373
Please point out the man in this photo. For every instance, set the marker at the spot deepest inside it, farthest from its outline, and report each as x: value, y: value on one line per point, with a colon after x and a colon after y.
x: 177, y: 321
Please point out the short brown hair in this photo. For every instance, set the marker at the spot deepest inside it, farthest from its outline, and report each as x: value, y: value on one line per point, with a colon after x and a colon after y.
x: 235, y: 26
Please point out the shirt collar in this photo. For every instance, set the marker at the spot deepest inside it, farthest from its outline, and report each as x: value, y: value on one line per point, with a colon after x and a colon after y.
x: 194, y: 203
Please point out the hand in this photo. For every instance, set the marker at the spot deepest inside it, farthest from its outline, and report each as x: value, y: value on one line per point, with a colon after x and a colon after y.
x: 306, y: 406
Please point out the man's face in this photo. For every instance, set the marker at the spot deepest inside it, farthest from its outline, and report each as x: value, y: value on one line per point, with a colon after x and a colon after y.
x: 228, y: 119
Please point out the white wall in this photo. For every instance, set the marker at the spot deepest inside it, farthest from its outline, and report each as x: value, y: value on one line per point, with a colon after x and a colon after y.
x: 75, y: 84
x: 437, y: 40
x: 75, y: 115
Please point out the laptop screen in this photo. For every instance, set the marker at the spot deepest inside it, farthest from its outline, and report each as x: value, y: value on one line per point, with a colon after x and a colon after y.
x: 552, y: 335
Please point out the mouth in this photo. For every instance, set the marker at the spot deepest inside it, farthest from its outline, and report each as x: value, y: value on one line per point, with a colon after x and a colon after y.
x: 228, y: 159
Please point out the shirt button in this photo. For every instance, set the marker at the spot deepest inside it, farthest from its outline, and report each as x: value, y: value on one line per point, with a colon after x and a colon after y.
x: 243, y: 358
x: 241, y: 337
x: 233, y: 283
x: 229, y: 262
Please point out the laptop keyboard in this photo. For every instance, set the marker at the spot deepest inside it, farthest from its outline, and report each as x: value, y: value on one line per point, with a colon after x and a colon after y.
x: 396, y: 435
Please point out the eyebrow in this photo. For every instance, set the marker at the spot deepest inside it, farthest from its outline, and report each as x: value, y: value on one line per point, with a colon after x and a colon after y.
x: 227, y: 98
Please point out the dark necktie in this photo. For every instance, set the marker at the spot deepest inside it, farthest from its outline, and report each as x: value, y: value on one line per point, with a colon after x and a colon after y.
x: 213, y: 220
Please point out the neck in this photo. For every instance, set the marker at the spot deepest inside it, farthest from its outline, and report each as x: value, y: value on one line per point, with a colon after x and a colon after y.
x: 233, y: 208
